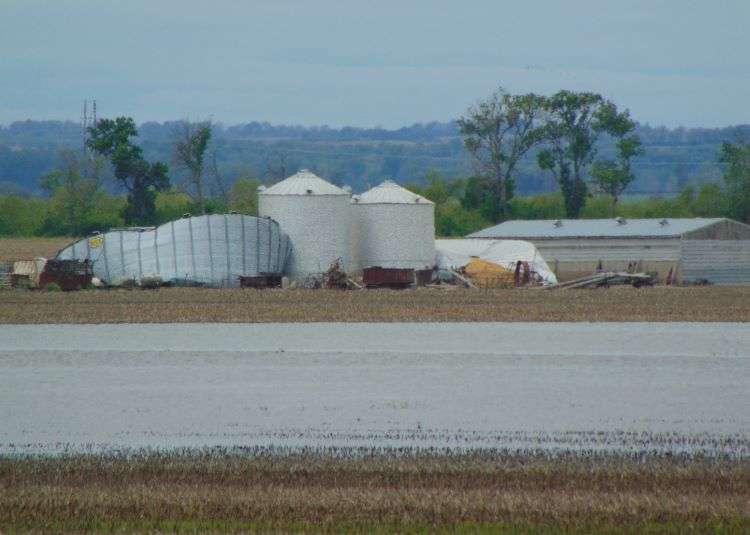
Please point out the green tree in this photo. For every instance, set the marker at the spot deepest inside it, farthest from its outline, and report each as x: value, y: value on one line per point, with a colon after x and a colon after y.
x: 498, y: 132
x: 452, y: 219
x: 190, y: 144
x: 542, y: 206
x: 111, y: 138
x: 171, y: 204
x: 243, y: 195
x: 574, y: 122
x: 21, y: 216
x: 74, y: 190
x: 612, y: 177
x: 736, y: 158
x: 481, y: 194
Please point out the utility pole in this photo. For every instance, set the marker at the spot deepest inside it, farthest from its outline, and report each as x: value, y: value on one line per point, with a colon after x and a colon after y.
x: 87, y: 121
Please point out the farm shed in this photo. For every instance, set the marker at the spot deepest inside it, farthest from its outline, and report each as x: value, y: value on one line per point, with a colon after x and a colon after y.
x: 210, y: 249
x: 316, y: 216
x: 711, y: 249
x: 395, y: 228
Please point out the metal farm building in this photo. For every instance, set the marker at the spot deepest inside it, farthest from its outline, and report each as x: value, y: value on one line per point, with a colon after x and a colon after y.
x: 716, y: 250
x: 395, y: 228
x: 315, y: 215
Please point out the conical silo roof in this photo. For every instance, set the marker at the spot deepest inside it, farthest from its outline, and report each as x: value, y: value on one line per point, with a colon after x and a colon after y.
x: 391, y: 193
x: 304, y: 183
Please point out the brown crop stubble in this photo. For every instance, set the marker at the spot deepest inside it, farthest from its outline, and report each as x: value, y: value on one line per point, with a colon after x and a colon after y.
x: 94, y: 492
x: 717, y: 303
x: 29, y: 248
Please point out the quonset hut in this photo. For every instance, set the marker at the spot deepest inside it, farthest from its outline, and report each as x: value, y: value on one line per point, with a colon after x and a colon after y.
x: 711, y: 249
x: 210, y: 249
x: 395, y: 228
x: 315, y: 215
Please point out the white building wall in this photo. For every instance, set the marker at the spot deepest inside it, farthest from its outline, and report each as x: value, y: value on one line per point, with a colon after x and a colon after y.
x: 355, y: 231
x: 396, y: 235
x: 317, y: 226
x: 592, y: 250
x: 718, y: 261
x: 572, y: 258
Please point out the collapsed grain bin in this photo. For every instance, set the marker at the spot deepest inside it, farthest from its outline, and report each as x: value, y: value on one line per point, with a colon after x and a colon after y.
x: 214, y: 250
x: 315, y: 215
x: 396, y: 228
x: 456, y: 254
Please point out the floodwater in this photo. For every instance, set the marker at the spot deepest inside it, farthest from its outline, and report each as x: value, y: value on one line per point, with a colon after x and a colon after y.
x: 678, y: 387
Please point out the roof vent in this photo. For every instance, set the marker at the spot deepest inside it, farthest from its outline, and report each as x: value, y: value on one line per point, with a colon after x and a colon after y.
x: 356, y: 198
x: 347, y: 189
x: 308, y: 191
x: 620, y: 220
x: 233, y: 212
x: 416, y: 199
x: 261, y: 188
x: 186, y: 215
x: 557, y: 223
x: 664, y: 222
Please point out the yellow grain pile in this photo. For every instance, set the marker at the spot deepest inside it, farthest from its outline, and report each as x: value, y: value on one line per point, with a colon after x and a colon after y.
x: 487, y: 274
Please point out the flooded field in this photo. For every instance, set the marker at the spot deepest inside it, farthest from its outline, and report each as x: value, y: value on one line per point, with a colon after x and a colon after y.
x: 622, y: 387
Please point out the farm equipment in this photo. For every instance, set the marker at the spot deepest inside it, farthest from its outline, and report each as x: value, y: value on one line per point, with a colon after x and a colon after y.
x: 379, y: 277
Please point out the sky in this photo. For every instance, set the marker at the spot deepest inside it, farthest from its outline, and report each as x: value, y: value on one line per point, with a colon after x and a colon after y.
x: 369, y: 63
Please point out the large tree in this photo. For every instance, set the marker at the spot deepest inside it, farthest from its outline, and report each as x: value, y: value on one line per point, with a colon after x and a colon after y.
x: 73, y: 189
x: 613, y: 176
x: 574, y: 122
x: 190, y: 144
x: 736, y: 158
x: 498, y: 132
x: 111, y: 138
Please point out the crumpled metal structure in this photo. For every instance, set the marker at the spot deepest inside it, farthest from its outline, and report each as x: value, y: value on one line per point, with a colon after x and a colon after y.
x: 457, y: 253
x: 213, y: 250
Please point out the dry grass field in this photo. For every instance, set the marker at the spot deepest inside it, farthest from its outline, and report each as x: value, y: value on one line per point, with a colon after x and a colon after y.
x: 429, y: 305
x: 480, y: 493
x: 28, y: 248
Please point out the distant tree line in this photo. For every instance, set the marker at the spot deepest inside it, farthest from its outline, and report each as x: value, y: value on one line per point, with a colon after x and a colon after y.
x: 359, y: 157
x: 461, y: 205
x: 584, y: 149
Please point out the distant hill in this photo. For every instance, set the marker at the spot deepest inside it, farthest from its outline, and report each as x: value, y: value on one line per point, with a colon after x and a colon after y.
x: 361, y: 157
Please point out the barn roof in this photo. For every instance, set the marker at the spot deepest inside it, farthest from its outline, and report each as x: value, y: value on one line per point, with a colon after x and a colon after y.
x: 303, y: 183
x: 595, y: 228
x: 391, y: 193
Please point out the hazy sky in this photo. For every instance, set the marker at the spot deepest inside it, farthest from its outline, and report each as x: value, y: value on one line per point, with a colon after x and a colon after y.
x: 367, y: 63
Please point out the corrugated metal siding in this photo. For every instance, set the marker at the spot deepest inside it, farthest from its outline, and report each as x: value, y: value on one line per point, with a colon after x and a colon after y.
x: 318, y: 227
x: 723, y: 230
x: 625, y: 250
x: 212, y: 249
x: 718, y: 261
x: 396, y: 235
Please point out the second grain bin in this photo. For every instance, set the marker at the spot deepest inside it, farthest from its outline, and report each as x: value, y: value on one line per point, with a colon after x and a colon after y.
x: 315, y: 215
x: 396, y: 228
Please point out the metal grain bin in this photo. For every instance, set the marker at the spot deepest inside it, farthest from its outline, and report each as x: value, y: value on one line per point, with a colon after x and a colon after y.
x: 396, y: 228
x: 315, y: 215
